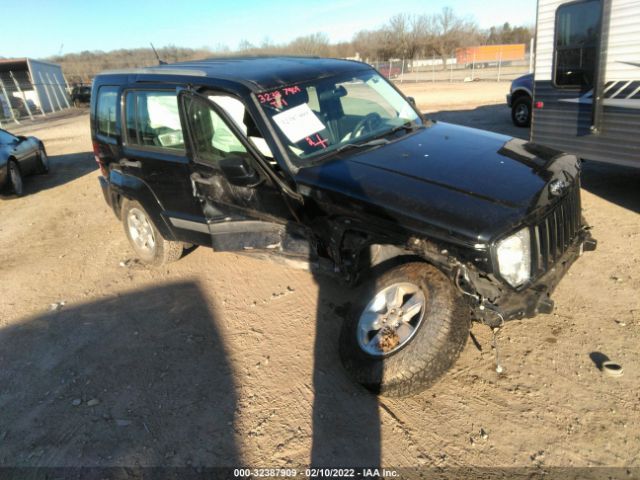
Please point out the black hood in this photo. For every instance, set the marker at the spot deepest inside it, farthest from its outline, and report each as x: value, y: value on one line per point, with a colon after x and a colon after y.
x: 445, y: 179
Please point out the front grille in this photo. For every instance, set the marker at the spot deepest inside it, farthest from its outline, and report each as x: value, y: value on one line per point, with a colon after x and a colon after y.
x: 553, y: 235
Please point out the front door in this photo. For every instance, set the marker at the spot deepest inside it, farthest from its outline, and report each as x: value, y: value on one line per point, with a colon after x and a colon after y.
x: 243, y: 204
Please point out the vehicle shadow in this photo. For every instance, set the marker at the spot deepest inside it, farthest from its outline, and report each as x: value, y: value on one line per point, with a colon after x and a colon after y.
x: 62, y: 169
x: 494, y: 118
x: 345, y: 416
x: 614, y: 183
x: 130, y: 381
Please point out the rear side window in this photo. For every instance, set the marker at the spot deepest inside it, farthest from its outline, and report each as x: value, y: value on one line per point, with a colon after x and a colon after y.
x: 153, y: 120
x: 106, y: 111
x: 577, y: 39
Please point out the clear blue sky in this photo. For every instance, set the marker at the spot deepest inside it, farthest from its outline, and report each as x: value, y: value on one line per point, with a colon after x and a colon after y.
x: 81, y: 25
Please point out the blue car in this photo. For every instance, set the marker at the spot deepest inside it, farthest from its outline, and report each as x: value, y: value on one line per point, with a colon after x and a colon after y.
x: 520, y: 99
x: 20, y: 156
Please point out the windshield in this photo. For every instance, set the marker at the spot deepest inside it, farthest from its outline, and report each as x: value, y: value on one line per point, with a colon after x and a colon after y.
x: 319, y: 117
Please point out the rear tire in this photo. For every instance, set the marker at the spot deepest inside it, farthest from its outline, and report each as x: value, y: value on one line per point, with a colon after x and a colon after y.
x: 147, y: 242
x: 521, y: 111
x: 415, y: 363
x: 15, y: 178
x: 43, y: 160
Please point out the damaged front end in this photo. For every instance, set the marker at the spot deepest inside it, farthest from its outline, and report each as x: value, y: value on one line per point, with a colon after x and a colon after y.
x: 494, y: 303
x: 555, y: 240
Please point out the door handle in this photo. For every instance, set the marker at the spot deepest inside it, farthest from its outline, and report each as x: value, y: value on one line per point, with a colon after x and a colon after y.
x: 129, y: 163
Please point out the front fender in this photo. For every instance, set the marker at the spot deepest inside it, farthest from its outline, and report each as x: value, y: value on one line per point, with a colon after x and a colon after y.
x: 130, y: 187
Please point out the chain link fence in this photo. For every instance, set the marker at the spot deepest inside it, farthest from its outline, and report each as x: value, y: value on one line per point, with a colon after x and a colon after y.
x: 23, y: 97
x: 437, y: 69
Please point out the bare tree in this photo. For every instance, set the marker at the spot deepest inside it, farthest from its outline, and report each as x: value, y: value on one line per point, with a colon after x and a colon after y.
x: 451, y: 32
x: 314, y: 44
x: 422, y: 35
x: 402, y: 36
x: 245, y: 46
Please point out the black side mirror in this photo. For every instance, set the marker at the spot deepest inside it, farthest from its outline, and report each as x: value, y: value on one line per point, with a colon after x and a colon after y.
x: 238, y: 172
x: 412, y: 101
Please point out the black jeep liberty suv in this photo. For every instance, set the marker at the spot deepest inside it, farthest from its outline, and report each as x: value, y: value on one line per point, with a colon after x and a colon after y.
x: 326, y: 162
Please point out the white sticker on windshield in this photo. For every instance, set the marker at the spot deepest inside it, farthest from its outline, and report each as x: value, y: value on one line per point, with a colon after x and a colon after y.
x: 298, y: 122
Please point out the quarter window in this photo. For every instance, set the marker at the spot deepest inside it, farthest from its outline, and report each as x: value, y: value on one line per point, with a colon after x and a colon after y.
x: 152, y: 120
x: 106, y: 111
x: 577, y: 35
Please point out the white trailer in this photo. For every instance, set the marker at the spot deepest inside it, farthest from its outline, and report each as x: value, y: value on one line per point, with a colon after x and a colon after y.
x: 587, y: 79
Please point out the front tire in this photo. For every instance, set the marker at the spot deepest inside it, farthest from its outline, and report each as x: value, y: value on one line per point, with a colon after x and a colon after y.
x: 521, y: 111
x: 407, y: 330
x: 147, y: 242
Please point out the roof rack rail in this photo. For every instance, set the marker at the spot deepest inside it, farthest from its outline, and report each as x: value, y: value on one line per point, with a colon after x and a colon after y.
x: 156, y: 71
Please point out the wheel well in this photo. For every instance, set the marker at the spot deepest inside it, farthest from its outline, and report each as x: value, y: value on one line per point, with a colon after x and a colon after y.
x: 519, y: 94
x: 385, y: 256
x: 117, y: 204
x: 380, y: 268
x: 12, y: 159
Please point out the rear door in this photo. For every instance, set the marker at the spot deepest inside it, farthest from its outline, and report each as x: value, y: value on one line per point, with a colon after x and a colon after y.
x: 154, y: 151
x: 242, y: 200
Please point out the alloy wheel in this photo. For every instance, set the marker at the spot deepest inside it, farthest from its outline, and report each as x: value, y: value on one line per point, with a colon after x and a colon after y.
x: 391, y: 319
x: 141, y: 231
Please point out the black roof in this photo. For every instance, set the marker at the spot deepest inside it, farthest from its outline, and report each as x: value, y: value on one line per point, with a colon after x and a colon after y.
x: 261, y: 73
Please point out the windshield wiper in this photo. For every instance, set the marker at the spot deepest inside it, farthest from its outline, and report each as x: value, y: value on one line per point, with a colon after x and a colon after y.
x: 376, y: 142
x: 408, y: 126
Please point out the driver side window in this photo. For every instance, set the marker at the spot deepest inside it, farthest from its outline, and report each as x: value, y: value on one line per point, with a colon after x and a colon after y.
x: 152, y: 120
x: 212, y: 138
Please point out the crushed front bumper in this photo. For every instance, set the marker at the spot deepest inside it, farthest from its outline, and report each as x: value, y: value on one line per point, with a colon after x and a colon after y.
x: 536, y: 298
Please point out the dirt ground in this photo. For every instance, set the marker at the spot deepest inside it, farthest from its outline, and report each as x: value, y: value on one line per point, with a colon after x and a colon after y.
x: 226, y: 360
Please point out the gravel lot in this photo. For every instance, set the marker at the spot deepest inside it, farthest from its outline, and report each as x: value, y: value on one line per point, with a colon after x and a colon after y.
x: 221, y: 359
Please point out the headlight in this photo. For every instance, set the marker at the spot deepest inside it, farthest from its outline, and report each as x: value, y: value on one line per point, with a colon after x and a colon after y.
x: 514, y: 257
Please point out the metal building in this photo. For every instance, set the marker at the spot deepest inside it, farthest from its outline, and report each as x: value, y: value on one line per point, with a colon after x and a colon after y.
x: 31, y: 87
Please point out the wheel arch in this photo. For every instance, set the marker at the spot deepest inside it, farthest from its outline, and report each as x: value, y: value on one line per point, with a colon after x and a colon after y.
x: 521, y: 92
x: 129, y: 187
x: 364, y: 252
